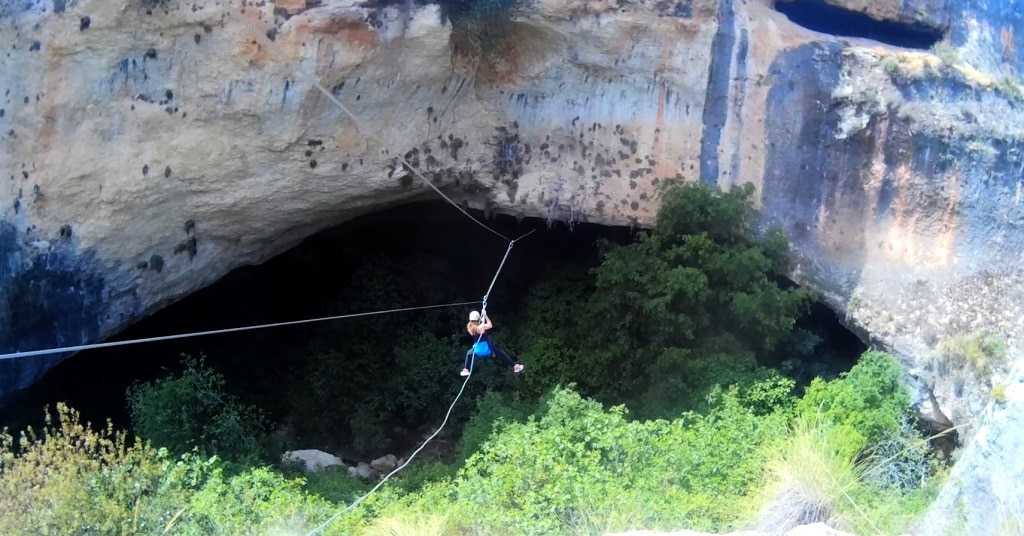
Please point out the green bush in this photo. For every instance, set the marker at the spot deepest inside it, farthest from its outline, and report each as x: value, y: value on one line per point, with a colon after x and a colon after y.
x: 493, y: 412
x: 688, y: 379
x: 869, y: 403
x: 256, y: 501
x: 334, y: 485
x: 853, y: 458
x: 193, y: 410
x: 578, y: 465
x: 773, y: 393
x: 71, y: 479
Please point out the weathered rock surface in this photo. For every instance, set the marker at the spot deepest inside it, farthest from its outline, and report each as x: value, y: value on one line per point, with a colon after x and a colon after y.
x: 362, y: 470
x: 384, y: 463
x: 985, y: 497
x: 149, y: 147
x: 312, y: 460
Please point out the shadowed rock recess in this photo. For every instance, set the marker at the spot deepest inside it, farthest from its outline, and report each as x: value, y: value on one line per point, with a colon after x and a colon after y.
x: 151, y: 147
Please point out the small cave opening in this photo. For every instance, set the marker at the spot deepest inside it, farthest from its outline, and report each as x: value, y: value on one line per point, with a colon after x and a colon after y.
x: 822, y: 17
x: 415, y: 254
x: 477, y: 12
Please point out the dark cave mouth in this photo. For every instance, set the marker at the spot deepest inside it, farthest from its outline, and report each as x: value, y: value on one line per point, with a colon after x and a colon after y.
x: 825, y: 18
x: 454, y: 261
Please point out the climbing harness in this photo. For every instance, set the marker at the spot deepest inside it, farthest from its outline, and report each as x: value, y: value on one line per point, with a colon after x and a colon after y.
x: 481, y: 349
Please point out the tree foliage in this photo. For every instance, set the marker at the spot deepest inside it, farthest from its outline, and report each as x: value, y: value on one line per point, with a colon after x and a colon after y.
x: 868, y: 403
x: 699, y: 292
x: 72, y: 479
x: 192, y: 409
x: 577, y: 461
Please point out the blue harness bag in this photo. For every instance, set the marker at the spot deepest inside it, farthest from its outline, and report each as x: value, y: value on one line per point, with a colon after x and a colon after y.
x: 482, y: 349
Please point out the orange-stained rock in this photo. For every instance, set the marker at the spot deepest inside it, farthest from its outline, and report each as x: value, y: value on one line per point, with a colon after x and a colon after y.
x: 291, y: 7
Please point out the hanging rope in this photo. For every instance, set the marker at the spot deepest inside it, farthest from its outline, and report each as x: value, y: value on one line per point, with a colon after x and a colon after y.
x: 406, y: 163
x: 447, y: 414
x: 81, y: 347
x: 483, y: 313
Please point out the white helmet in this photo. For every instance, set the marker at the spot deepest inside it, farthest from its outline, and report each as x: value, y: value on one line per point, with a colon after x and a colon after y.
x: 474, y: 316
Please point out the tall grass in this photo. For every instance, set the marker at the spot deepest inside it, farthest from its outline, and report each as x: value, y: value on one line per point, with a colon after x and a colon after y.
x: 815, y: 477
x: 810, y: 473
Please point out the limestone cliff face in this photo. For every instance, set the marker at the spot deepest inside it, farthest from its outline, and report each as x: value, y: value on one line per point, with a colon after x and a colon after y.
x: 150, y: 146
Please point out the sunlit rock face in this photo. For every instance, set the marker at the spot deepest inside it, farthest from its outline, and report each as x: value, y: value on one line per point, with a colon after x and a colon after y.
x: 149, y: 147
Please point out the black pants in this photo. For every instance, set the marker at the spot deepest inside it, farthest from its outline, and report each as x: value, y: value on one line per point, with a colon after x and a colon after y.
x: 496, y: 351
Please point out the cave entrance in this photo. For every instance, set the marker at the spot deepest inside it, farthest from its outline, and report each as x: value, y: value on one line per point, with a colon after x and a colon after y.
x: 416, y: 254
x: 825, y: 18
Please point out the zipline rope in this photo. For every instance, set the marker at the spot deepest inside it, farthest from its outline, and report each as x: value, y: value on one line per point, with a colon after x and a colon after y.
x: 48, y: 351
x: 483, y: 314
x: 414, y: 171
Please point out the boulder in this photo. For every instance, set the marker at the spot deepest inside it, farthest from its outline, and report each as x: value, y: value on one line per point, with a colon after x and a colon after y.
x: 311, y: 460
x: 385, y: 463
x: 363, y: 470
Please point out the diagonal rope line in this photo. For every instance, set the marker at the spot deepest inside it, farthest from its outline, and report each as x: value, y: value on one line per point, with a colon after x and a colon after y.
x: 406, y: 163
x: 81, y: 347
x: 447, y: 415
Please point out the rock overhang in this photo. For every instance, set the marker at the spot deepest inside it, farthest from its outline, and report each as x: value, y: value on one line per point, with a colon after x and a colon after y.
x: 200, y: 144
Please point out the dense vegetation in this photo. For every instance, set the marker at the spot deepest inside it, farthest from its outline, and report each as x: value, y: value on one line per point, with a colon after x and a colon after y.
x: 650, y: 402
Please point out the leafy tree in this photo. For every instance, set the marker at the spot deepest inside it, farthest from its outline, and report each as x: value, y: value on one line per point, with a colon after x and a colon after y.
x: 661, y: 317
x: 193, y: 410
x: 702, y: 273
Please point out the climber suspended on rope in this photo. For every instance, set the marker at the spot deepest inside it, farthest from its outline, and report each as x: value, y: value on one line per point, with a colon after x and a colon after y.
x: 479, y: 328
